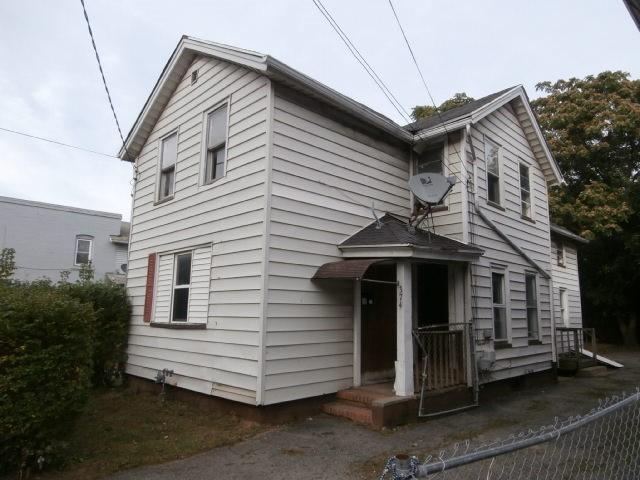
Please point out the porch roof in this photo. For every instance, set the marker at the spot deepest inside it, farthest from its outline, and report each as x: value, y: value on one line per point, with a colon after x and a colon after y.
x: 346, y: 269
x: 392, y: 232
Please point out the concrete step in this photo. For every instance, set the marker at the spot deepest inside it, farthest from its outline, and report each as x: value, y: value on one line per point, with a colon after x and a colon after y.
x: 360, y: 395
x: 596, y: 371
x: 351, y: 410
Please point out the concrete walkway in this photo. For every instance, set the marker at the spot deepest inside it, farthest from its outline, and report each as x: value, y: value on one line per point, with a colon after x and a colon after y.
x: 324, y: 447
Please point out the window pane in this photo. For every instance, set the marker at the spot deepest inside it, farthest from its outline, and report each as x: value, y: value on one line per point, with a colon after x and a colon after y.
x: 430, y: 161
x: 83, y: 251
x: 526, y: 209
x: 217, y: 131
x: 82, y: 257
x: 166, y: 183
x: 183, y: 269
x: 84, y: 246
x: 494, y: 188
x: 180, y: 304
x: 532, y: 322
x: 499, y: 323
x: 524, y: 178
x: 169, y: 150
x: 491, y: 156
x: 497, y: 284
x: 219, y: 157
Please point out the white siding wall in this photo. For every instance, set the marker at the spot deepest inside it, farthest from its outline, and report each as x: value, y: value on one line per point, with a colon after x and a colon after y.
x: 566, y: 277
x: 503, y: 128
x: 223, y: 359
x: 325, y: 175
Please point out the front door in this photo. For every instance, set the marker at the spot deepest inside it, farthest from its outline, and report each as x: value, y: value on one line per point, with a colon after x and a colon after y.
x: 378, y: 317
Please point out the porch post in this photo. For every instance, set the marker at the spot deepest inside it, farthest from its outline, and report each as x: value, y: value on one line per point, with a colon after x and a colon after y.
x: 357, y: 332
x: 403, y: 385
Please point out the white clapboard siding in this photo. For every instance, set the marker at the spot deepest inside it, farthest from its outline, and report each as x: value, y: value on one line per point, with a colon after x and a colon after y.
x: 225, y: 217
x: 325, y: 178
x: 566, y: 277
x: 503, y: 128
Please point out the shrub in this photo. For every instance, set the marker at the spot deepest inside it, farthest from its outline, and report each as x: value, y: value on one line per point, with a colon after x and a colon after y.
x: 45, y: 367
x: 112, y: 312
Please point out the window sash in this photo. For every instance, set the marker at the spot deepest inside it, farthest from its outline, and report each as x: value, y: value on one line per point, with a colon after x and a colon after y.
x: 214, y: 168
x: 217, y: 127
x: 169, y: 151
x: 532, y: 305
x: 181, y: 287
x: 560, y: 254
x: 431, y: 160
x: 492, y: 163
x: 83, y: 250
x: 498, y: 298
x: 525, y: 191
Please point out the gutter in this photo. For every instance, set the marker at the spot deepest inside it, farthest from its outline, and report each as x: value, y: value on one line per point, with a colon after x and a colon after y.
x: 511, y: 243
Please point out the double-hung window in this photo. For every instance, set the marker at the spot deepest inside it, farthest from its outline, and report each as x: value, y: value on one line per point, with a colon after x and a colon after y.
x: 492, y: 159
x: 560, y: 255
x: 84, y: 244
x: 168, y: 157
x: 431, y: 160
x: 216, y: 144
x: 499, y: 306
x: 525, y: 191
x: 531, y: 296
x: 564, y: 307
x: 181, y: 287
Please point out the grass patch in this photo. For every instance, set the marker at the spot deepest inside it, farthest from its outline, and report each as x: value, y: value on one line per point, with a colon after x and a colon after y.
x: 122, y: 429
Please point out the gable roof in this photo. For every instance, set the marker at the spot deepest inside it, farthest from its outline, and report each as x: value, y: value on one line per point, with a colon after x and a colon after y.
x: 189, y: 47
x: 394, y: 231
x: 475, y: 111
x: 187, y: 50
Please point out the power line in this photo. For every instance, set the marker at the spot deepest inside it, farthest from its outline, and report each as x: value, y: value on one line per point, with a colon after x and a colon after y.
x: 426, y: 87
x: 104, y: 80
x: 56, y: 142
x: 362, y: 61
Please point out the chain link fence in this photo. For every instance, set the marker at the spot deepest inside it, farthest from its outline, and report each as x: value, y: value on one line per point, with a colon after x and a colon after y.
x: 604, y: 444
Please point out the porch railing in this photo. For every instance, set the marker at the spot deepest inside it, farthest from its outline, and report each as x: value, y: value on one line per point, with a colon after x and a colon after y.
x: 570, y: 345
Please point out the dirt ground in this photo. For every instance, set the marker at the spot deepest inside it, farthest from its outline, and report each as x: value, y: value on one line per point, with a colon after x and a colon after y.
x: 325, y: 447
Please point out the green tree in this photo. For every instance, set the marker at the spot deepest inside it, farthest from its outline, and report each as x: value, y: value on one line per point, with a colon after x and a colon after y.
x: 424, y: 111
x: 7, y: 263
x: 592, y: 126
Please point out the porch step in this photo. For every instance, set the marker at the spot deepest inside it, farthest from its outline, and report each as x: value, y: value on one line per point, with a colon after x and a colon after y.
x: 363, y: 396
x: 354, y: 411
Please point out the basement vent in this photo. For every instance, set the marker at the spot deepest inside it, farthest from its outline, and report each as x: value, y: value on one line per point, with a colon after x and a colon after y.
x: 194, y: 77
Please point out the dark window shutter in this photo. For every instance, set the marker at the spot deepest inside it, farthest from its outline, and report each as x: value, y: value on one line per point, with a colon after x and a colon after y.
x: 148, y: 295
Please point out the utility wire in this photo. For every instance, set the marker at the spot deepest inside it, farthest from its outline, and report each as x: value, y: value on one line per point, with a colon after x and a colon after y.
x: 362, y: 61
x: 104, y: 80
x: 57, y: 142
x: 426, y: 87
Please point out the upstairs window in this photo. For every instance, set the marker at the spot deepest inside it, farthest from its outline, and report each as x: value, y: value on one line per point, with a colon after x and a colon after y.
x: 168, y: 157
x: 84, y: 244
x: 216, y: 144
x: 532, y: 306
x: 181, y: 287
x: 560, y: 255
x: 499, y: 306
x: 492, y: 159
x: 525, y: 191
x: 431, y: 160
x: 564, y: 307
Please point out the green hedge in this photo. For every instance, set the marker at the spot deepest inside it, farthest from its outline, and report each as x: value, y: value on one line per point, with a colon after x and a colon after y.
x: 46, y: 344
x: 112, y: 313
x: 55, y: 342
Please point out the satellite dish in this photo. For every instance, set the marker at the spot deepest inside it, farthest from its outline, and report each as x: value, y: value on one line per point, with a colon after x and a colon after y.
x: 431, y: 188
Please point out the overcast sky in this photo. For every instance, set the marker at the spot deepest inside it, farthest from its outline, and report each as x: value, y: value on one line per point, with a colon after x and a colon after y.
x: 50, y: 85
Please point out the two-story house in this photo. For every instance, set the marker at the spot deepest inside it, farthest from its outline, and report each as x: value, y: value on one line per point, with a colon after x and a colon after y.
x: 270, y: 257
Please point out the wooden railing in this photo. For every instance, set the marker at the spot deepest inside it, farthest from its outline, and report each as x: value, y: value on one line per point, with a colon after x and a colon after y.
x: 570, y: 342
x: 444, y: 355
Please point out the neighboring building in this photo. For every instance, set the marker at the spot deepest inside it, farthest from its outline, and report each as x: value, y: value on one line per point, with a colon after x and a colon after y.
x: 566, y: 279
x: 49, y: 239
x: 258, y: 269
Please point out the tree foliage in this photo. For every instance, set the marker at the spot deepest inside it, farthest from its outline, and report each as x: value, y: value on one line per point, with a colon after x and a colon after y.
x: 424, y: 111
x: 7, y: 263
x: 592, y: 126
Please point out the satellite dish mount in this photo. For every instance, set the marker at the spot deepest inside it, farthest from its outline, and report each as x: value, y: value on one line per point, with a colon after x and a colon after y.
x: 429, y: 189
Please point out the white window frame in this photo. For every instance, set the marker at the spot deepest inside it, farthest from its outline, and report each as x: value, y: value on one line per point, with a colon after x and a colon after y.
x: 499, y: 269
x: 528, y: 167
x: 161, y: 140
x: 84, y: 238
x: 500, y: 202
x: 204, y: 147
x: 561, y: 255
x: 180, y: 287
x: 533, y: 274
x: 563, y: 295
